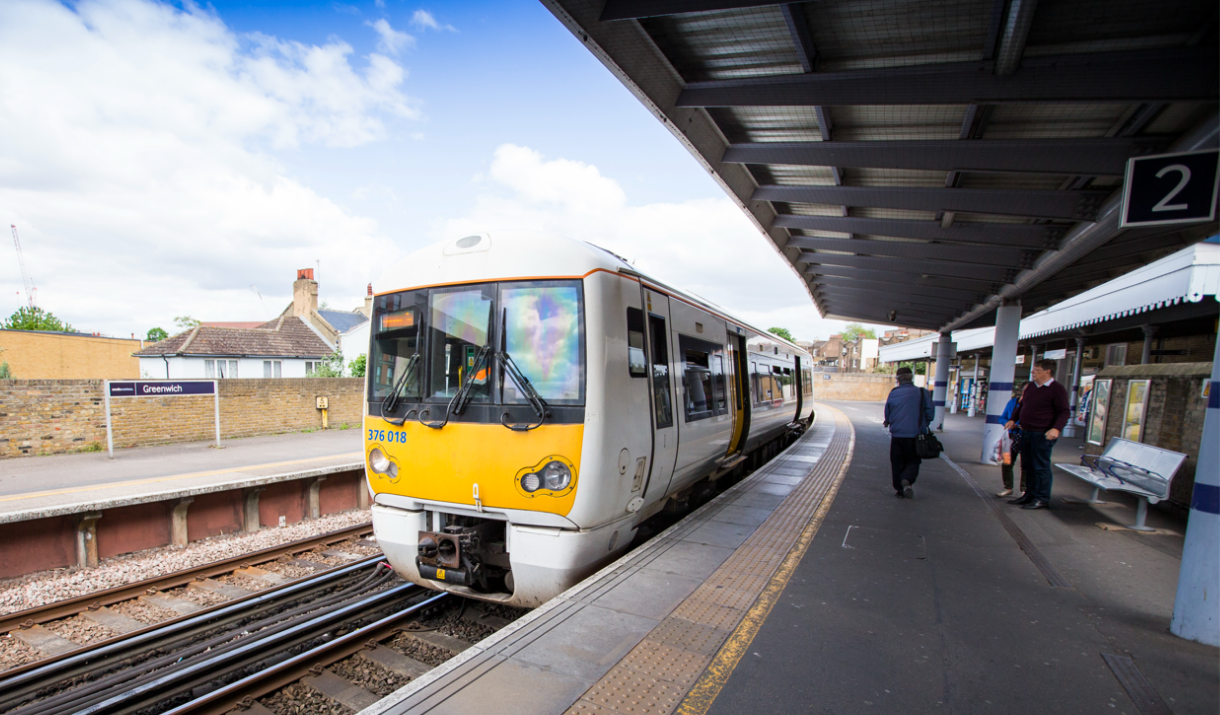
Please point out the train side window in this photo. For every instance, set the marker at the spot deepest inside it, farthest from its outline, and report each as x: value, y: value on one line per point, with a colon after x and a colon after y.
x: 754, y: 383
x: 718, y: 386
x: 698, y: 381
x: 660, y: 373
x: 637, y: 363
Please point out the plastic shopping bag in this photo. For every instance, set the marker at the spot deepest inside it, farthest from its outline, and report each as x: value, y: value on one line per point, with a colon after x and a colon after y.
x: 1006, y: 447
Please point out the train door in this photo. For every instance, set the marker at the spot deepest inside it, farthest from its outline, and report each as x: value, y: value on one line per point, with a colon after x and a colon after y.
x: 740, y: 398
x: 799, y: 376
x: 664, y: 419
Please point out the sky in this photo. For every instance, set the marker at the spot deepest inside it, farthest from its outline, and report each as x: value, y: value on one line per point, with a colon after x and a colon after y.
x: 180, y: 159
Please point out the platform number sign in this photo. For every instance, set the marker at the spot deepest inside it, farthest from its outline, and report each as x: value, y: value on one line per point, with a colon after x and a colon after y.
x: 1171, y: 188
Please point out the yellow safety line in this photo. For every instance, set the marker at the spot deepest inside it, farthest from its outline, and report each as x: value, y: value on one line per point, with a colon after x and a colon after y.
x: 700, y: 698
x: 98, y: 487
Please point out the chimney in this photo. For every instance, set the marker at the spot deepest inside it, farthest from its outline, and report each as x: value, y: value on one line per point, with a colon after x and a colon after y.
x: 368, y: 303
x: 304, y: 294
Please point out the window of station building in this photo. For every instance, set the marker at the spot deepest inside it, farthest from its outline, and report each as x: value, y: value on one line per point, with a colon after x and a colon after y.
x: 637, y: 363
x: 220, y: 368
x: 273, y: 368
x: 1116, y: 355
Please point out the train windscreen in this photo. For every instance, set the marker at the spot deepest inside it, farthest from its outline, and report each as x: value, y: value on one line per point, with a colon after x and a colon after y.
x: 538, y: 325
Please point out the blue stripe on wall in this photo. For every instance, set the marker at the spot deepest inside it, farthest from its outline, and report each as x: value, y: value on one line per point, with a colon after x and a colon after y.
x: 938, y: 403
x: 940, y: 384
x: 1213, y: 396
x: 1206, y: 497
x: 996, y: 420
x: 997, y: 386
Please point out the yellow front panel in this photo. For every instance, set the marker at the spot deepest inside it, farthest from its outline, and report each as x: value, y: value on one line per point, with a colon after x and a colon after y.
x: 445, y: 464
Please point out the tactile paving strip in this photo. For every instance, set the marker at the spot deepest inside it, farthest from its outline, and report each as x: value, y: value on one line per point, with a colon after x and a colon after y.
x: 658, y: 673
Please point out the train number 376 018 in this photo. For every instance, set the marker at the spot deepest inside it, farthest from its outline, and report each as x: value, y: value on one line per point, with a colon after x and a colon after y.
x: 380, y: 435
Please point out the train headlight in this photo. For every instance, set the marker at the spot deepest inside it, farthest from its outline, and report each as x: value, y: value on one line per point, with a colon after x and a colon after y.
x: 381, y: 464
x: 556, y: 476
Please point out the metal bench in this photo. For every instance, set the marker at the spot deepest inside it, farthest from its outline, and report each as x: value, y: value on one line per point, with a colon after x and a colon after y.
x: 1126, y: 466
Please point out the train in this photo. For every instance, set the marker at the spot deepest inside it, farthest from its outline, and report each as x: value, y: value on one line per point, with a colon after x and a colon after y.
x: 533, y: 400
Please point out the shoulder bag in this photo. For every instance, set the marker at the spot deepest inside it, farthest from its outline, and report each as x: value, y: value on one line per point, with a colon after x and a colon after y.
x: 926, y: 444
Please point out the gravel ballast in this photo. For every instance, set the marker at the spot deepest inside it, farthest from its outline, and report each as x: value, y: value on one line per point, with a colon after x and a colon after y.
x: 14, y: 652
x: 366, y: 674
x: 44, y: 587
x: 299, y: 699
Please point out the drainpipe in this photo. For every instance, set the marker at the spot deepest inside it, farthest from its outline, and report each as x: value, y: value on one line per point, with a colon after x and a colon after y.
x: 166, y: 366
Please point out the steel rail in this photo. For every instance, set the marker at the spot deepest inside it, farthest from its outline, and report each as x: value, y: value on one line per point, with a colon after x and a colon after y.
x: 18, y: 684
x: 213, y: 650
x: 73, y: 606
x: 266, y: 681
x: 249, y: 652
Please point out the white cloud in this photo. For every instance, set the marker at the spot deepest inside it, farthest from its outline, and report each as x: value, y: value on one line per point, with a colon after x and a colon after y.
x: 134, y: 159
x: 707, y: 246
x: 424, y: 20
x: 390, y: 40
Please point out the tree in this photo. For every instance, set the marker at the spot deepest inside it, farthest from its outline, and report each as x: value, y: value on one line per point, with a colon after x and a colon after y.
x: 357, y: 366
x: 854, y: 330
x: 332, y: 366
x: 186, y: 322
x: 36, y: 319
x: 156, y: 335
x: 783, y: 333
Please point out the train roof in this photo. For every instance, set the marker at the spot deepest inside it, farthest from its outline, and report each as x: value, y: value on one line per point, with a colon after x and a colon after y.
x: 521, y: 255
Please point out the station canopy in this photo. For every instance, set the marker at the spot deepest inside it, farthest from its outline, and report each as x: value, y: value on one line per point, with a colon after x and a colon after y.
x: 920, y: 162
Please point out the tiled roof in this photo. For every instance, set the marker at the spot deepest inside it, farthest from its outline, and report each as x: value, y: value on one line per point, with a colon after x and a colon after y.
x: 286, y: 336
x: 231, y: 324
x: 342, y: 320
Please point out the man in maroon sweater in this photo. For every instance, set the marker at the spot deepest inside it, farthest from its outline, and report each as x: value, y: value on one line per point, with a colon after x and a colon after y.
x: 1042, y: 413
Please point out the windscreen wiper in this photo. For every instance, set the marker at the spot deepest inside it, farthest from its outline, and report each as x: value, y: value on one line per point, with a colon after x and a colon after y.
x: 390, y: 404
x: 462, y: 397
x: 531, y: 395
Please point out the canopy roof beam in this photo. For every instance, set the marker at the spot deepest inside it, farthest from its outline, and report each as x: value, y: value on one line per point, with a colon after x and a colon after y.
x: 983, y: 255
x: 1174, y: 75
x: 1043, y: 203
x: 951, y: 269
x: 1095, y: 157
x: 1017, y: 235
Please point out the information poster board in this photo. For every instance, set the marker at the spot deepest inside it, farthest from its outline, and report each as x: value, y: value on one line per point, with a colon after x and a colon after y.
x: 1101, y: 407
x: 1133, y: 414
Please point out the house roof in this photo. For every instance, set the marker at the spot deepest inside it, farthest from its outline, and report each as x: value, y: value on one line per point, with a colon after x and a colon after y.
x: 286, y: 336
x: 232, y: 323
x: 342, y: 320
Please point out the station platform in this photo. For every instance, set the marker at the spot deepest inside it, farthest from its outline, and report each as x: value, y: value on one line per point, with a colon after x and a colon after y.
x: 808, y: 587
x: 45, y: 486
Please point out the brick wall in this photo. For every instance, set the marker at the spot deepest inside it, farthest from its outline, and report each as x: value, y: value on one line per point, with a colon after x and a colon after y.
x: 57, y: 416
x: 851, y: 386
x: 50, y: 356
x: 50, y: 416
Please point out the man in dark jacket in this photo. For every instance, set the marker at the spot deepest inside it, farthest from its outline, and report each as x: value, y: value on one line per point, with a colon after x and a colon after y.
x: 1042, y: 413
x: 907, y: 413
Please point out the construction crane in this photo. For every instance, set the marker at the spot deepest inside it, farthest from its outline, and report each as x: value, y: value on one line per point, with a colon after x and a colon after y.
x: 30, y: 291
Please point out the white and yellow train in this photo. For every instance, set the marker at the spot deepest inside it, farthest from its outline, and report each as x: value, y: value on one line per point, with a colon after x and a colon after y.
x: 533, y: 400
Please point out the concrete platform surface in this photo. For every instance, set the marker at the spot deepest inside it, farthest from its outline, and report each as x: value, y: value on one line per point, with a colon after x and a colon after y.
x: 931, y: 606
x: 31, y: 487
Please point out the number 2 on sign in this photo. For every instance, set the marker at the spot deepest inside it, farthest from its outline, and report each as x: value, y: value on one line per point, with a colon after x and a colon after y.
x: 1163, y: 204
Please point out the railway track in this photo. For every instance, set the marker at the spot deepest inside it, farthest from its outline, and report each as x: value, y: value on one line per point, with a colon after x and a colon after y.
x: 335, y: 641
x: 56, y: 630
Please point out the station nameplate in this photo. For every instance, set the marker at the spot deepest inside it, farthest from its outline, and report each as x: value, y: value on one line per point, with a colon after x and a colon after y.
x: 1171, y: 188
x: 161, y: 388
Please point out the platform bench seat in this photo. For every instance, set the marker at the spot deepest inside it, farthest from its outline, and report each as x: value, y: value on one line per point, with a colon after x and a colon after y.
x: 1126, y: 466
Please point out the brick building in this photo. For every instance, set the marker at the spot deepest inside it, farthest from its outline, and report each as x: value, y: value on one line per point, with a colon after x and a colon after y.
x: 46, y: 355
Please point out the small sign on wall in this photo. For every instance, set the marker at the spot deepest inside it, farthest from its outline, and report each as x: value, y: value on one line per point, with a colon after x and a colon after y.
x: 161, y: 388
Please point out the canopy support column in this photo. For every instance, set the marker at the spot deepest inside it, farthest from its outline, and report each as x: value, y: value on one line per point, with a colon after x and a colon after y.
x: 1000, y: 376
x: 1195, y: 613
x: 943, y: 349
x: 1070, y: 429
